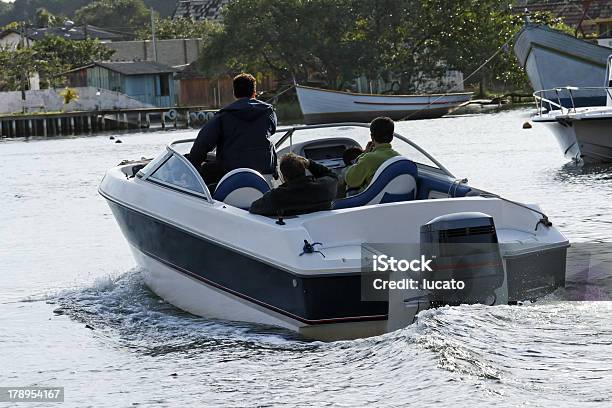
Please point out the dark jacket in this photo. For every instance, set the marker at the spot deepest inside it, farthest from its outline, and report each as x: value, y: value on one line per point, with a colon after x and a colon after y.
x: 241, y: 133
x: 300, y: 196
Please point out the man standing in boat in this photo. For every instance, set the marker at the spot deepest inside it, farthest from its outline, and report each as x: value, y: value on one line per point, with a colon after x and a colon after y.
x: 241, y: 134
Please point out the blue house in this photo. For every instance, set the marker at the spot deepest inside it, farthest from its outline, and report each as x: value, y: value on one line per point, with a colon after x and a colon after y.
x: 147, y: 81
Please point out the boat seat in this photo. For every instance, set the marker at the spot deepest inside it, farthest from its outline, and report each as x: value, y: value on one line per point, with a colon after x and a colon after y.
x: 394, y: 181
x: 240, y: 187
x: 430, y: 187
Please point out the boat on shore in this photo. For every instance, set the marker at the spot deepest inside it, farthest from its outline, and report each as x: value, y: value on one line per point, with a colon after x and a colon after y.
x: 203, y: 252
x: 553, y: 59
x: 327, y: 106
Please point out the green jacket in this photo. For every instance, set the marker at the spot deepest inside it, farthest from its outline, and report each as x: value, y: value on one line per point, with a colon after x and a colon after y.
x: 360, y: 174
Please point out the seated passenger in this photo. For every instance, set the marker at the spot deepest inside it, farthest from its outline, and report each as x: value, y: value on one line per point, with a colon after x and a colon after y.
x: 240, y: 132
x: 349, y: 157
x: 299, y: 193
x: 359, y: 175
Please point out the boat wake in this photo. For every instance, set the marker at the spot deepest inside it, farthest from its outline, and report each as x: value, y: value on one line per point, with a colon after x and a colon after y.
x: 501, y: 350
x: 123, y: 305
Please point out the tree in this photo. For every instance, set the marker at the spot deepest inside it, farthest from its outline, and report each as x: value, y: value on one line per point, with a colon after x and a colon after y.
x: 45, y: 19
x: 166, y: 28
x: 25, y: 10
x: 119, y: 14
x: 50, y: 57
x: 402, y: 39
x: 481, y: 28
x: 17, y: 67
x: 57, y: 55
x: 291, y: 38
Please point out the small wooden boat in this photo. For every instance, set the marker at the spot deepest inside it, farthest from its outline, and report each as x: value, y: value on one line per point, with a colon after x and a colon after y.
x: 326, y: 106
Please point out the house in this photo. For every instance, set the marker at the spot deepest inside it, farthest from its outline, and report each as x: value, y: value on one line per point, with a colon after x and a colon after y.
x: 200, y: 9
x: 12, y: 37
x: 591, y: 18
x: 147, y: 81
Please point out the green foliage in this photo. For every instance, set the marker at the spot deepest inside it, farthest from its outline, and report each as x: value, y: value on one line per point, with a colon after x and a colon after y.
x: 50, y: 57
x: 119, y: 14
x: 68, y: 95
x: 17, y: 67
x: 292, y: 38
x: 166, y: 28
x: 480, y: 29
x: 25, y: 10
x: 44, y: 18
x: 409, y: 40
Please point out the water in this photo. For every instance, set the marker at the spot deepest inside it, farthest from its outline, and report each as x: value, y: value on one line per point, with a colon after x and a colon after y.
x: 74, y: 311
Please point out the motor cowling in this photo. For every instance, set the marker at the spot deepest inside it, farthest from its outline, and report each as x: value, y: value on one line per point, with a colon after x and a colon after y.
x: 464, y: 249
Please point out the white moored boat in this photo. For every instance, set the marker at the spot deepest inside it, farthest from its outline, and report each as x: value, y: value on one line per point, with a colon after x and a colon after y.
x: 203, y: 251
x: 583, y: 133
x: 554, y: 59
x: 326, y: 106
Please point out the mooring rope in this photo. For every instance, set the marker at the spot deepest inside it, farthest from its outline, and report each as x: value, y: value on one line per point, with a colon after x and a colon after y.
x: 290, y: 87
x: 464, y: 80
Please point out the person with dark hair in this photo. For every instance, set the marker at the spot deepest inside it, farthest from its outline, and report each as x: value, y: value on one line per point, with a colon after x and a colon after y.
x: 350, y: 155
x: 379, y: 150
x: 299, y: 193
x: 241, y: 134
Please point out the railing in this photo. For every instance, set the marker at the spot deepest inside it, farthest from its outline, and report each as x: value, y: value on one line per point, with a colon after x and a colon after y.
x: 543, y: 102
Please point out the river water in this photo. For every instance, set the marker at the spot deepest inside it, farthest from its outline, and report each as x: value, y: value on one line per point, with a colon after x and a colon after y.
x: 74, y: 311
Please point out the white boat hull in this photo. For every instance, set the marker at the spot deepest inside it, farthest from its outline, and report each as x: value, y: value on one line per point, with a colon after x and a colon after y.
x: 553, y: 59
x: 196, y: 297
x: 325, y: 106
x: 583, y: 136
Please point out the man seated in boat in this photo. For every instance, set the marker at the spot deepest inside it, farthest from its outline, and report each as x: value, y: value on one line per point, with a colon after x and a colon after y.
x: 299, y: 193
x: 240, y: 132
x: 378, y: 150
x: 349, y: 157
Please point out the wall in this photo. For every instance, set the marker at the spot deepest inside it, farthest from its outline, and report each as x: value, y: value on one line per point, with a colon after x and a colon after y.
x: 146, y: 88
x: 205, y: 92
x: 169, y: 52
x: 101, y: 77
x: 49, y: 100
x: 215, y: 93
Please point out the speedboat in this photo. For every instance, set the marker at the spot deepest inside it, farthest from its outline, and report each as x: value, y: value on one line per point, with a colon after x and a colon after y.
x: 201, y: 250
x: 583, y: 133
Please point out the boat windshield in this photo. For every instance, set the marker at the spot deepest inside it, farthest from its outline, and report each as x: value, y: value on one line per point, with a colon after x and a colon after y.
x: 359, y: 134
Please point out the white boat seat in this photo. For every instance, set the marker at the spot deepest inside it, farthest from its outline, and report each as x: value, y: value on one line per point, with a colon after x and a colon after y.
x: 240, y: 187
x: 394, y: 181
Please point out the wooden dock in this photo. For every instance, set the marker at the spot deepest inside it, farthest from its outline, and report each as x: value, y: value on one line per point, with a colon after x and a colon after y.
x: 91, y: 122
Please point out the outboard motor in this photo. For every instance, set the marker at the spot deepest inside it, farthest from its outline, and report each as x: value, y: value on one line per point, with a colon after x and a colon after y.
x: 466, y: 266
